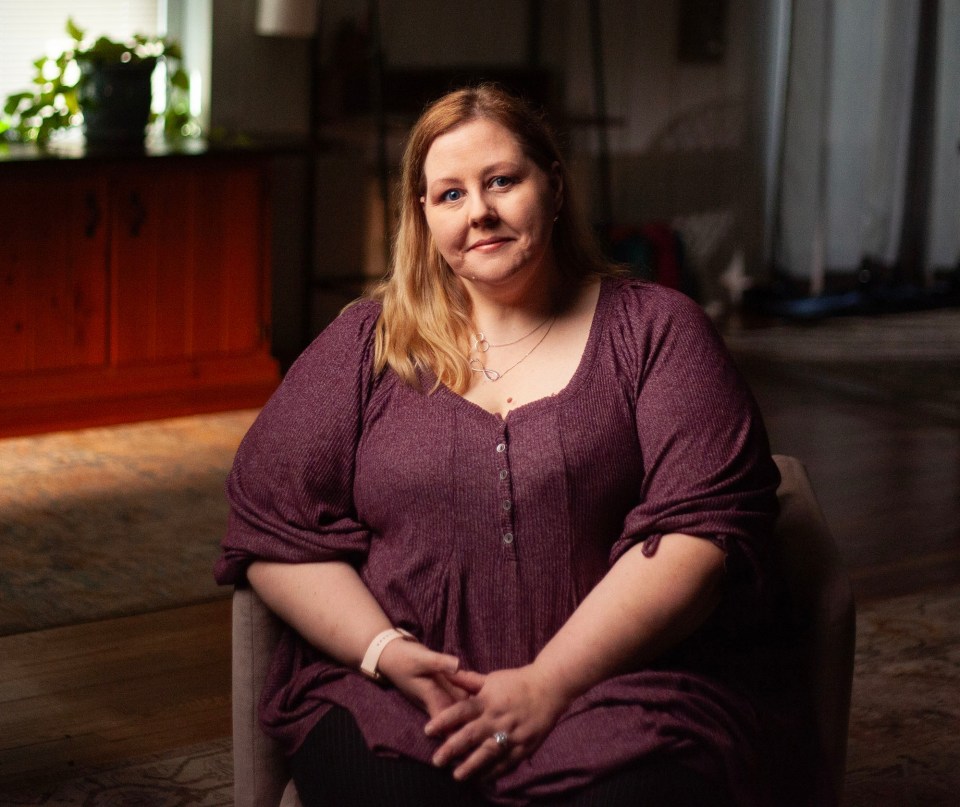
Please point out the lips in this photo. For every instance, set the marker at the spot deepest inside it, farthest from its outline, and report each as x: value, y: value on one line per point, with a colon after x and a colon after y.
x: 488, y: 243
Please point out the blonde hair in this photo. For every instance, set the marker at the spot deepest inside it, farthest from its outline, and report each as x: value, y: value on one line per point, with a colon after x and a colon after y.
x: 425, y: 320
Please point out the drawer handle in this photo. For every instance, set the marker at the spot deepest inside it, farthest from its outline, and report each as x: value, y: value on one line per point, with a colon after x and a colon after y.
x: 138, y: 214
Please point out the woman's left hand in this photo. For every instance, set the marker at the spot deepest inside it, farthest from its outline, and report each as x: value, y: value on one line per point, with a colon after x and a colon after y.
x: 518, y: 702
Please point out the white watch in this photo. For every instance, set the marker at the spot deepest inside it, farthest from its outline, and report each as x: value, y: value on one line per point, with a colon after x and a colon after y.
x: 372, y: 657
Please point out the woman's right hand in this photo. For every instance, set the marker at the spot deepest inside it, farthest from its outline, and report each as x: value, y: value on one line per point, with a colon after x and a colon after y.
x: 422, y: 675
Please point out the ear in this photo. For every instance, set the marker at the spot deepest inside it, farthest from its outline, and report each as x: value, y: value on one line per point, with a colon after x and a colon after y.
x: 556, y: 182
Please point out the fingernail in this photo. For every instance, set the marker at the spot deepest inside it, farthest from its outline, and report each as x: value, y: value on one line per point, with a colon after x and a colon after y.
x: 428, y: 729
x: 438, y: 760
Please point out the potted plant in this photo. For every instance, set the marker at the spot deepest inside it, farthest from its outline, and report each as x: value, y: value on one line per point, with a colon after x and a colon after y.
x: 104, y: 84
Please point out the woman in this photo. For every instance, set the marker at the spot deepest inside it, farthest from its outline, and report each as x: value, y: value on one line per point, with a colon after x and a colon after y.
x: 530, y: 499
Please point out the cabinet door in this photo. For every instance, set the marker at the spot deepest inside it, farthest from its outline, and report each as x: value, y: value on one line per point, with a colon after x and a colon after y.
x: 188, y: 262
x: 231, y: 250
x: 151, y: 263
x: 52, y: 269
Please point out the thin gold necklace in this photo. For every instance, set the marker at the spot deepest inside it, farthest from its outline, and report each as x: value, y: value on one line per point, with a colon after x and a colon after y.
x: 476, y: 365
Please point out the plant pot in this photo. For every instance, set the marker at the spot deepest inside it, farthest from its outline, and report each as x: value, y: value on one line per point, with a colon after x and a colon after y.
x: 115, y: 100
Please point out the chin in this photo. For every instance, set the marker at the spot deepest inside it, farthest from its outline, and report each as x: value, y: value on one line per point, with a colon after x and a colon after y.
x: 494, y: 278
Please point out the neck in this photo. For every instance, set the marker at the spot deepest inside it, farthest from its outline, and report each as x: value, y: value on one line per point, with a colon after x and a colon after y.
x: 507, y: 312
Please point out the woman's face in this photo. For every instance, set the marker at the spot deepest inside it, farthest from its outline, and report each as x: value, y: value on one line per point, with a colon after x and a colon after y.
x: 489, y: 207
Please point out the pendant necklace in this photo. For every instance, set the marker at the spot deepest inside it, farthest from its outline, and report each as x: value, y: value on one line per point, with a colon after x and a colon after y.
x: 482, y: 345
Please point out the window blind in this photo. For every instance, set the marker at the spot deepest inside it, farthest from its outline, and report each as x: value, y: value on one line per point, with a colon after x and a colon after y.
x: 33, y: 28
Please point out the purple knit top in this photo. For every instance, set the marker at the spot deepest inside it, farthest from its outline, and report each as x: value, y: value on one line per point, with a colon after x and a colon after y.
x: 481, y: 534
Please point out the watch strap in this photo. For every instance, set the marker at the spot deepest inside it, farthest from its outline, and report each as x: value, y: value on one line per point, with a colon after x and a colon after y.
x: 372, y: 657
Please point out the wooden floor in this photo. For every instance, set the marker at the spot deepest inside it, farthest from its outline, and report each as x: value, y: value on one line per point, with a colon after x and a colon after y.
x: 89, y: 695
x: 889, y: 482
x: 888, y: 478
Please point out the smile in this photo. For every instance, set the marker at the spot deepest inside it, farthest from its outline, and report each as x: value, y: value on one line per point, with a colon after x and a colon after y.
x: 488, y: 244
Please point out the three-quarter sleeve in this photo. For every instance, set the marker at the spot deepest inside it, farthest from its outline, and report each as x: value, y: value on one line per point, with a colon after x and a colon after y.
x: 291, y: 486
x: 707, y: 469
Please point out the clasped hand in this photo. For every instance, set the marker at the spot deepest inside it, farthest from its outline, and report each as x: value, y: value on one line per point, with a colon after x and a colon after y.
x: 518, y: 702
x: 467, y: 709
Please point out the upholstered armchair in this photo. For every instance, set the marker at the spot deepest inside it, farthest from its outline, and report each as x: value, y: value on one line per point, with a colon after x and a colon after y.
x: 821, y: 597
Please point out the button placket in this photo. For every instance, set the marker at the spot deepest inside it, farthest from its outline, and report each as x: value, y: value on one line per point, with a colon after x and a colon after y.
x: 505, y: 494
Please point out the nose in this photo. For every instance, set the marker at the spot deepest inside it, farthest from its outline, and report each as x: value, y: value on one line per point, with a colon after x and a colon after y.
x: 481, y: 211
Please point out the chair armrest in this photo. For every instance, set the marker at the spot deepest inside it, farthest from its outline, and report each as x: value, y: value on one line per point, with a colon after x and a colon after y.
x: 260, y: 775
x: 823, y: 603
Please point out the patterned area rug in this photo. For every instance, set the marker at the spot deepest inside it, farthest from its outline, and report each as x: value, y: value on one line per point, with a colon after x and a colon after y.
x: 904, y: 742
x: 904, y: 746
x: 112, y: 521
x: 199, y: 776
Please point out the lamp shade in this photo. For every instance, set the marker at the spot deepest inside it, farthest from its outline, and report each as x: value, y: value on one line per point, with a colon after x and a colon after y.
x: 294, y: 18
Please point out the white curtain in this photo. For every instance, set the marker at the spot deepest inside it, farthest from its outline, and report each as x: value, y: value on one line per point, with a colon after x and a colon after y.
x: 944, y: 235
x: 842, y: 176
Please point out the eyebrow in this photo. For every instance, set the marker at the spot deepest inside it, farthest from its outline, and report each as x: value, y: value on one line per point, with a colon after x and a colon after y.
x: 506, y: 166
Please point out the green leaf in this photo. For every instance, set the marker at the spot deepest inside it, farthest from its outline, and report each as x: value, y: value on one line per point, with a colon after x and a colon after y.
x: 75, y: 33
x: 13, y: 101
x: 106, y: 50
x: 180, y: 79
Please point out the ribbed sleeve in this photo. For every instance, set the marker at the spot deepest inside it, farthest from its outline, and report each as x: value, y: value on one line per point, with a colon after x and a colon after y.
x: 707, y: 469
x: 290, y: 489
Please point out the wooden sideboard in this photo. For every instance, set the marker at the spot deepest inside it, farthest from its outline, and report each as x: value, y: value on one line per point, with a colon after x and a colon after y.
x: 132, y: 288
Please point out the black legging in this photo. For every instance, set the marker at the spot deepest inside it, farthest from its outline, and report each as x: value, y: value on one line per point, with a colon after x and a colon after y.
x: 334, y: 768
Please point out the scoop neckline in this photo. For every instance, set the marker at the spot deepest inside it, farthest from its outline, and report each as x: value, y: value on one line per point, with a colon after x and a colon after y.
x: 579, y: 377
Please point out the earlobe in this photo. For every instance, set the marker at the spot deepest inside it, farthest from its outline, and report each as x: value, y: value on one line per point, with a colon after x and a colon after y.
x: 556, y: 180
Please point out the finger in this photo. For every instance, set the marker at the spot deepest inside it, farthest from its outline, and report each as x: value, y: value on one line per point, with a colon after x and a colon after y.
x: 429, y: 661
x: 485, y: 755
x: 455, y: 692
x: 505, y: 765
x: 462, y: 742
x: 435, y: 700
x: 447, y: 695
x: 440, y: 694
x: 468, y: 680
x: 454, y: 716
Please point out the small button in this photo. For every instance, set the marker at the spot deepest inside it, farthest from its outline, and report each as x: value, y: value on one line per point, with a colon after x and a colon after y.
x: 507, y: 504
x: 501, y: 447
x: 508, y: 538
x: 504, y: 474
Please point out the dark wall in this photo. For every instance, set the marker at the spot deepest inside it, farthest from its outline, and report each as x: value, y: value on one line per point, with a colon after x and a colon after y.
x: 680, y: 148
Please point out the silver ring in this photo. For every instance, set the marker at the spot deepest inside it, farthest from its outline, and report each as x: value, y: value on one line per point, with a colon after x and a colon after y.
x: 501, y: 738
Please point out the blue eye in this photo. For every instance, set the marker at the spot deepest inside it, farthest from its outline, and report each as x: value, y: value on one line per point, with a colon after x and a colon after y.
x: 451, y: 195
x: 501, y: 182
